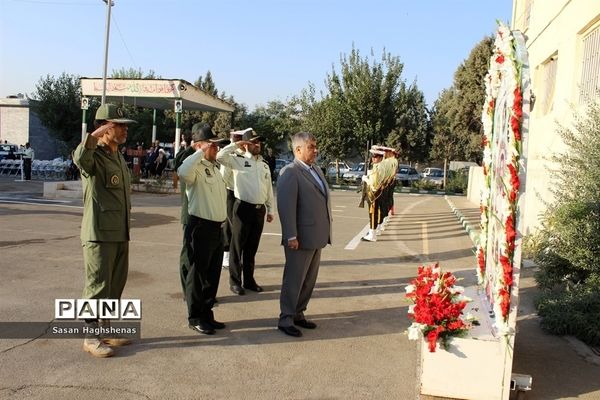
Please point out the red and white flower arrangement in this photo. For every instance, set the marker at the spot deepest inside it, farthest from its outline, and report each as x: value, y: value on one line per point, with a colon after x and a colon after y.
x: 438, y: 307
x: 505, y: 73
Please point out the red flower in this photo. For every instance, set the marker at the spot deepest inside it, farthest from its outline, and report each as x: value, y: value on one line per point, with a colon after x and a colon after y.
x: 500, y: 58
x: 504, y: 302
x: 506, y: 271
x: 511, y: 234
x: 436, y: 305
x: 481, y: 260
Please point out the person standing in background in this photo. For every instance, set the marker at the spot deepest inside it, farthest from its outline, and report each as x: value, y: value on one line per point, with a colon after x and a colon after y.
x: 304, y: 207
x: 373, y: 179
x: 28, y: 156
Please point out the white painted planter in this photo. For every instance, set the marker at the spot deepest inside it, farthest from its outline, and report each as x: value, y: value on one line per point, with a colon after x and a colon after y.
x: 474, y: 367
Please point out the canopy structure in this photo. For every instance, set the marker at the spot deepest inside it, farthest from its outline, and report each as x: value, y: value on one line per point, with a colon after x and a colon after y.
x: 161, y: 94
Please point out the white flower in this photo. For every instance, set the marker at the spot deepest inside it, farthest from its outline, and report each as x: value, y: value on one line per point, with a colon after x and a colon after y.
x: 457, y: 289
x: 414, y: 331
x: 411, y: 309
x: 410, y: 289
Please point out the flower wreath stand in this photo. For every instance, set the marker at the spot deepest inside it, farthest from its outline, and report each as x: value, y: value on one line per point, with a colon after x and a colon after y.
x: 464, y: 361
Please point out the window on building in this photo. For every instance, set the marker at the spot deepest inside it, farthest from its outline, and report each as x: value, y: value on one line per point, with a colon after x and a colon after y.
x: 546, y: 85
x: 589, y: 87
x: 523, y: 14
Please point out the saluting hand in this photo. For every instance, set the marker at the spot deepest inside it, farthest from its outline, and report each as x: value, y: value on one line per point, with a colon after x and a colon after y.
x: 102, y: 129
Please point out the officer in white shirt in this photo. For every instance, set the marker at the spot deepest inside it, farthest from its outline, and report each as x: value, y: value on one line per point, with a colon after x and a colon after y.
x: 28, y: 156
x: 253, y: 192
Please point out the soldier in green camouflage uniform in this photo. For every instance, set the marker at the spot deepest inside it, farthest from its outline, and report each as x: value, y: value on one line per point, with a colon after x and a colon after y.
x: 106, y: 215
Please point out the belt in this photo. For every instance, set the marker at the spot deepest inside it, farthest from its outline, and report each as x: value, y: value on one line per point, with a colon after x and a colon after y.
x: 257, y: 206
x: 197, y: 220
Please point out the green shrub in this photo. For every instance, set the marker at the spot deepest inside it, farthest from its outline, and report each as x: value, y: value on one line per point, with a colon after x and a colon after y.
x: 574, y: 312
x: 457, y: 183
x: 567, y: 246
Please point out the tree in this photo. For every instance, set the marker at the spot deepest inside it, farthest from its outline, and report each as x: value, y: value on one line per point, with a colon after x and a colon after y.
x: 359, y: 105
x: 57, y: 102
x: 276, y: 122
x: 459, y: 108
x: 444, y: 142
x: 412, y: 131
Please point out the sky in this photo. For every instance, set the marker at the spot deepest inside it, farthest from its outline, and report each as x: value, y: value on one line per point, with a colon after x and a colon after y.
x: 256, y: 50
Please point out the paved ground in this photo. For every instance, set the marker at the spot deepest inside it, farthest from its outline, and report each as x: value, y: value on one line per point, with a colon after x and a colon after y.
x: 359, y: 350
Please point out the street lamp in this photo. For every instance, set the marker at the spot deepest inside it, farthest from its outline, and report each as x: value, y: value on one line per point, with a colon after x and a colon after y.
x: 109, y: 4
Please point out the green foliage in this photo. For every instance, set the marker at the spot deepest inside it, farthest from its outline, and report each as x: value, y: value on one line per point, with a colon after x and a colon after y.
x: 574, y: 312
x: 366, y: 102
x: 57, y: 102
x: 275, y: 122
x: 457, y: 183
x: 566, y: 247
x: 412, y: 131
x: 456, y: 119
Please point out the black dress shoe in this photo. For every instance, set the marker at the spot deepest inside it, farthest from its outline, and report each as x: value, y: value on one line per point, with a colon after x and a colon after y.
x: 303, y: 323
x: 255, y: 288
x: 203, y: 327
x: 237, y: 289
x: 217, y: 325
x: 290, y: 330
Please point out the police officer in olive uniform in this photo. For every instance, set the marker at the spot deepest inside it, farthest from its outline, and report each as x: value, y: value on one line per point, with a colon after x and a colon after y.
x: 207, y: 209
x: 106, y: 215
x: 184, y: 257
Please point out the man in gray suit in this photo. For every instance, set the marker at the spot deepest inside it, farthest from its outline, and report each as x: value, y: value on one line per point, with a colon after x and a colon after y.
x: 304, y: 208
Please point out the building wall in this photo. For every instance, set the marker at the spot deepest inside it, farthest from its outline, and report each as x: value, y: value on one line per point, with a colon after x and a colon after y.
x: 19, y: 125
x: 554, y: 32
x: 14, y: 121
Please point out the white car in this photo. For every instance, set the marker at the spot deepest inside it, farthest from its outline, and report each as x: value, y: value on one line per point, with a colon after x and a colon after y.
x: 407, y: 174
x: 355, y: 174
x: 436, y: 177
x: 332, y: 171
x: 430, y: 170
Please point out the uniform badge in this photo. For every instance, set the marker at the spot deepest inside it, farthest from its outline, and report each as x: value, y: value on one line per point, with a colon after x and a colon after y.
x: 207, y: 172
x: 114, y: 180
x: 247, y: 164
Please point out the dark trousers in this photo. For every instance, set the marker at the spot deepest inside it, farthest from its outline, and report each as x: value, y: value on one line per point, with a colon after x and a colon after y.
x: 202, y: 281
x: 185, y: 259
x: 227, y: 224
x: 247, y: 226
x: 375, y: 212
x: 27, y: 168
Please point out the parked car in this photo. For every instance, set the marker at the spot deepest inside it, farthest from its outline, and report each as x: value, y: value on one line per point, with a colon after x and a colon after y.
x: 429, y: 170
x: 407, y: 174
x: 6, y: 148
x: 332, y: 171
x: 436, y: 177
x: 279, y: 163
x: 355, y: 174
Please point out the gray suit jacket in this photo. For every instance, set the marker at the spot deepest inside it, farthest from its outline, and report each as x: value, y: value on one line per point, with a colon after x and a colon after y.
x: 304, y: 210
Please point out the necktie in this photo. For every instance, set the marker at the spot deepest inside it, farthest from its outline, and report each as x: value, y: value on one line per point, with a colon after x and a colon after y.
x: 317, y: 178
